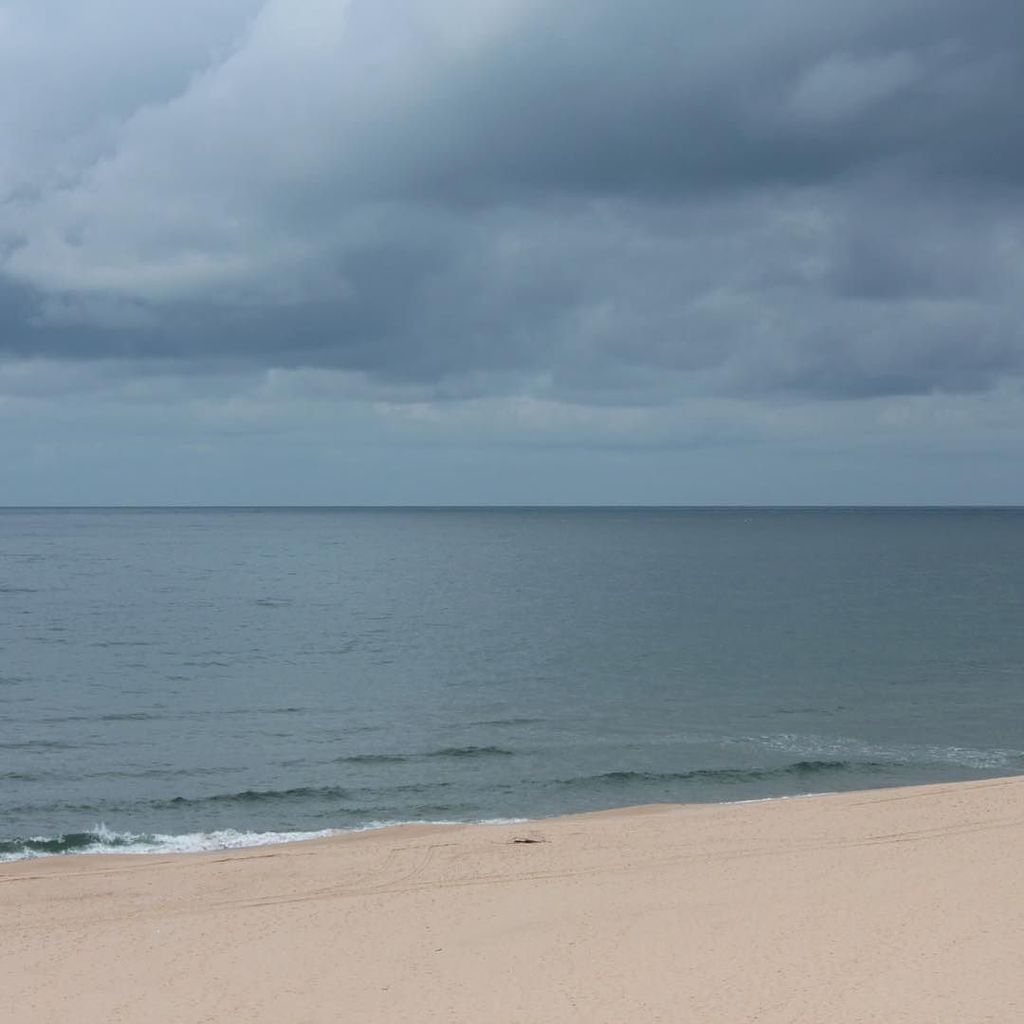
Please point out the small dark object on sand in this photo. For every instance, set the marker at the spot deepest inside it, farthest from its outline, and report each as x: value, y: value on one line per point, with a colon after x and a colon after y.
x: 527, y: 839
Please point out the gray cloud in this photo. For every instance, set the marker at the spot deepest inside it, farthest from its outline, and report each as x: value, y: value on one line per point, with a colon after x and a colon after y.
x: 589, y: 201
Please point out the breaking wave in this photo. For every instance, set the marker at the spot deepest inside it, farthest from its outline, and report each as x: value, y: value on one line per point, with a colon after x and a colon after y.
x: 100, y: 839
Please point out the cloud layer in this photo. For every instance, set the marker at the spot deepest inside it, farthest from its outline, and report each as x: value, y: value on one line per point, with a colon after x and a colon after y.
x: 587, y: 204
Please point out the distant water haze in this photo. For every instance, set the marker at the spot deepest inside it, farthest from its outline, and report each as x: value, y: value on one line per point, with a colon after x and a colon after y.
x: 186, y: 679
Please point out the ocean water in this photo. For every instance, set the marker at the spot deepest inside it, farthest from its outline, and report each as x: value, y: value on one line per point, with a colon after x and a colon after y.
x: 197, y: 678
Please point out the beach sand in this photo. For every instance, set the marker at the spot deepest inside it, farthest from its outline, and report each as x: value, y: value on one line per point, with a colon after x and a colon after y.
x: 898, y: 905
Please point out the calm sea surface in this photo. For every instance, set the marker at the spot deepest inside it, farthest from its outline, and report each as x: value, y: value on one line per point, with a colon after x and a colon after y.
x: 182, y: 679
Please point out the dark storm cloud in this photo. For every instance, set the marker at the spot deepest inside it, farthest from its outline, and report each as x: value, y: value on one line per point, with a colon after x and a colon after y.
x: 663, y: 97
x: 594, y: 200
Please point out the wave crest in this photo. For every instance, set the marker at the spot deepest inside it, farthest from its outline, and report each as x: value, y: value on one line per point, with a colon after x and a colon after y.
x: 730, y: 775
x: 101, y: 839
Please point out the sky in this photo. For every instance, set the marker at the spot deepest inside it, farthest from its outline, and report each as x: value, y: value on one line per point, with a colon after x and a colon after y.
x: 511, y: 252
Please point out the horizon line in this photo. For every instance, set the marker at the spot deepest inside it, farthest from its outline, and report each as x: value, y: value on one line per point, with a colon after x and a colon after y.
x: 498, y: 506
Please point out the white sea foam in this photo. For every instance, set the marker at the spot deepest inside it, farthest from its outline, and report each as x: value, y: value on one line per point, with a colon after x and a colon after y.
x: 904, y: 753
x: 101, y: 839
x: 372, y: 826
x: 104, y: 840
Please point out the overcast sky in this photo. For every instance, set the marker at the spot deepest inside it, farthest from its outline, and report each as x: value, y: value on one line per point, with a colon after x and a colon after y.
x: 511, y: 251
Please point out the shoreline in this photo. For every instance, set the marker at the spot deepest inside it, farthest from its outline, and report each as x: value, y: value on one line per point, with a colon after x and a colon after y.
x: 305, y: 836
x: 895, y: 904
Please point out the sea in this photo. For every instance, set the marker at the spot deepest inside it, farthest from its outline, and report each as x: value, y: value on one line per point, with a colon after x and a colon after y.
x: 188, y: 679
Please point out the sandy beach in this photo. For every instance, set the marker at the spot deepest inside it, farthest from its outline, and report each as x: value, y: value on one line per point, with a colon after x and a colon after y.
x: 898, y: 905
